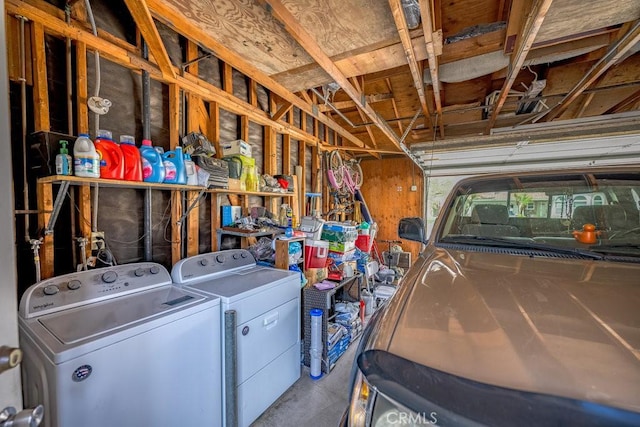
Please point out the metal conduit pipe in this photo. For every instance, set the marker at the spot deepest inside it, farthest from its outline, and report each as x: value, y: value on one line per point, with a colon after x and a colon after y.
x: 23, y: 112
x: 146, y: 134
x: 67, y: 16
x: 230, y: 369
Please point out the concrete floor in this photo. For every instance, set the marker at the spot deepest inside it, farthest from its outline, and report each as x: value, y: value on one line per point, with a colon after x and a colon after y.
x: 318, y: 403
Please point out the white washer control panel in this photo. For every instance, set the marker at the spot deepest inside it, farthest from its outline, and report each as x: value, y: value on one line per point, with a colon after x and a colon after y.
x: 86, y: 287
x: 221, y: 262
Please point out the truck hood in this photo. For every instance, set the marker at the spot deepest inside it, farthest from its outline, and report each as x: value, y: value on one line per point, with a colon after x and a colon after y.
x: 565, y: 327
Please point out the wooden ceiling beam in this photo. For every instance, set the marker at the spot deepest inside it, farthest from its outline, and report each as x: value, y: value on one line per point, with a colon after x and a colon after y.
x: 305, y: 40
x: 372, y: 137
x: 416, y: 71
x: 182, y: 25
x: 142, y: 16
x: 629, y: 38
x: 523, y: 46
x: 627, y: 102
x: 432, y: 59
x: 343, y: 105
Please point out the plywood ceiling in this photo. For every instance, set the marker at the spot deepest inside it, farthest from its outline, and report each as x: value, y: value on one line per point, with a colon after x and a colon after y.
x: 496, y: 63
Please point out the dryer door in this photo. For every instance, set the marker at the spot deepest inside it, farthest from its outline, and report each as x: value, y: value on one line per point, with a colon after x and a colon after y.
x: 263, y: 338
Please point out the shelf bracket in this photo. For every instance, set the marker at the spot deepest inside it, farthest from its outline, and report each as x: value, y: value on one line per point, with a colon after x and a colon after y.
x: 62, y: 192
x: 191, y: 206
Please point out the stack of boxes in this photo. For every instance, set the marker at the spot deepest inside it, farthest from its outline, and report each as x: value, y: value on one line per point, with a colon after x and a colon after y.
x: 342, y: 243
x: 240, y: 150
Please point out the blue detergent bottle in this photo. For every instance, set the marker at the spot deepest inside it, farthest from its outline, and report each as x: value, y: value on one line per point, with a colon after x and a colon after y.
x: 152, y: 164
x: 174, y: 168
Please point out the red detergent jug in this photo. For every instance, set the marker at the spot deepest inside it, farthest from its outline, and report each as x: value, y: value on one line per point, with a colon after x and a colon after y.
x: 132, y: 161
x: 111, y: 158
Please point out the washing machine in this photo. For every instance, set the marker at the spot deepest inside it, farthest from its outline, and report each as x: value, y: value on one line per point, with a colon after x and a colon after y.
x: 121, y: 346
x: 260, y: 309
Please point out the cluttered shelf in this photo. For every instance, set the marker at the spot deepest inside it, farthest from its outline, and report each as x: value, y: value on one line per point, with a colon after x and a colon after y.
x: 77, y: 180
x: 341, y: 318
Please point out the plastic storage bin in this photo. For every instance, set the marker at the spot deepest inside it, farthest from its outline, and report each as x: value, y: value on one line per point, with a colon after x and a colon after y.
x: 315, y: 253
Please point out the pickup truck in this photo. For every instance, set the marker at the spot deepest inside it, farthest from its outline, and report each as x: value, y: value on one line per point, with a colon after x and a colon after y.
x: 522, y: 309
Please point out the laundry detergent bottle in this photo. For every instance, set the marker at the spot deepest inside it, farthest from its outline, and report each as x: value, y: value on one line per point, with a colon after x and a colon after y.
x: 190, y: 170
x: 174, y: 169
x: 86, y: 162
x: 152, y: 164
x: 111, y: 158
x: 131, y: 155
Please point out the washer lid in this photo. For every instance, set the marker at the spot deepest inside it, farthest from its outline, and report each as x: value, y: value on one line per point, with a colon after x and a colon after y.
x: 77, y: 324
x: 242, y: 282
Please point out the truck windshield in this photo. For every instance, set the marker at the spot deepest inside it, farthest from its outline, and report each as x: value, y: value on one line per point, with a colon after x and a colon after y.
x: 590, y: 212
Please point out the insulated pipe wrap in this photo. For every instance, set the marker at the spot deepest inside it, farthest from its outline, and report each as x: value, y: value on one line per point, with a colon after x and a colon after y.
x: 315, y: 351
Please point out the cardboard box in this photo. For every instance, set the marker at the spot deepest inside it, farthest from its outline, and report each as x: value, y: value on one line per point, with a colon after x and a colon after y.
x: 342, y: 246
x: 236, y: 184
x: 315, y: 275
x: 237, y: 147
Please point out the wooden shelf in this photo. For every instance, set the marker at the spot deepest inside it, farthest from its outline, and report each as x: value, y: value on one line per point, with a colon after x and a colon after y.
x: 249, y: 193
x: 78, y: 180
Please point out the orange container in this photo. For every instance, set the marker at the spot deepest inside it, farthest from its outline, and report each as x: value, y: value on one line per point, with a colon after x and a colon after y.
x: 111, y: 158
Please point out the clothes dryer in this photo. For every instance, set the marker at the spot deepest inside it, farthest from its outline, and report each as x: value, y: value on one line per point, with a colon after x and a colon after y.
x: 264, y: 304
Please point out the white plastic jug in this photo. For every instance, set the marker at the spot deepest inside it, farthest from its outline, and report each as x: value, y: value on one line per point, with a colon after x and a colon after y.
x: 86, y: 159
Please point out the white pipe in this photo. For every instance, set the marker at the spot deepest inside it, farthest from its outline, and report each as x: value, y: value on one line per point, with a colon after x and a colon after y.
x: 315, y: 351
x: 97, y: 60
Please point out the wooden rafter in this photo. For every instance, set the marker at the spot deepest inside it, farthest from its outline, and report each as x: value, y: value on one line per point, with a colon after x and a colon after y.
x: 175, y: 20
x: 303, y: 38
x: 416, y: 72
x: 281, y: 111
x: 432, y: 59
x: 208, y: 92
x: 343, y: 105
x: 142, y: 16
x: 523, y: 46
x: 628, y: 40
x: 360, y: 88
x: 628, y: 101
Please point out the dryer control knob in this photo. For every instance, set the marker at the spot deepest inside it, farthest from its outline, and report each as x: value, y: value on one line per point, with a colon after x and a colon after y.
x: 219, y: 259
x: 74, y: 284
x: 236, y: 256
x: 243, y: 254
x: 154, y: 269
x: 50, y: 290
x: 109, y: 276
x: 139, y: 272
x: 204, y: 262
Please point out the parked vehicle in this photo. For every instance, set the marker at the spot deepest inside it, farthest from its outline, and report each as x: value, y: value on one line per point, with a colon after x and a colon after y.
x: 523, y: 309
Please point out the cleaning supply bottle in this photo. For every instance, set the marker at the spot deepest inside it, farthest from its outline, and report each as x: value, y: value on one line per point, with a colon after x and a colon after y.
x: 87, y: 160
x: 111, y: 158
x: 131, y: 156
x: 174, y: 167
x: 190, y: 170
x: 64, y: 164
x: 152, y: 165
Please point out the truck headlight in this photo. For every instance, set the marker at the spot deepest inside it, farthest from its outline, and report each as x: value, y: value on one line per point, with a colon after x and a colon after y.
x: 361, y: 402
